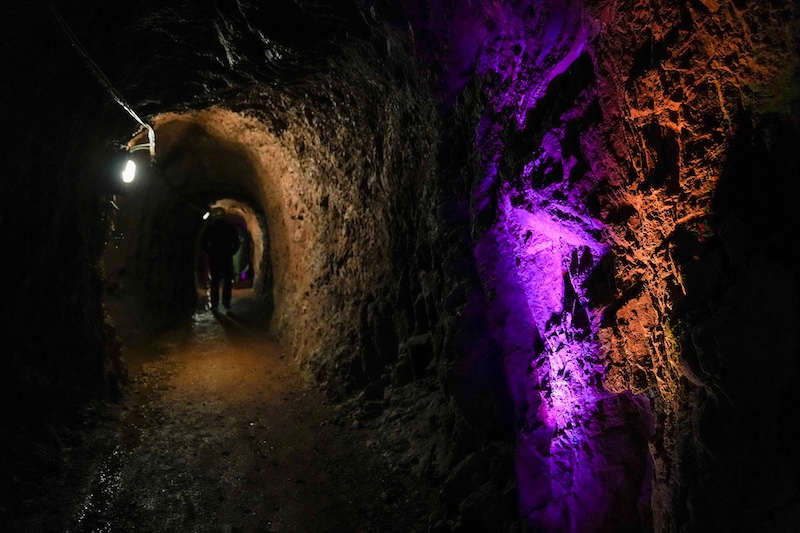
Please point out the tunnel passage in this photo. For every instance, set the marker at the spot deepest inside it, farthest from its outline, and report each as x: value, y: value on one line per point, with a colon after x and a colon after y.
x: 573, y: 138
x: 199, y: 167
x: 331, y: 217
x: 251, y: 262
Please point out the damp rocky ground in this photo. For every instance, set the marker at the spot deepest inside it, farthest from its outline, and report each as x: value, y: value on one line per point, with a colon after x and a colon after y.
x: 217, y: 430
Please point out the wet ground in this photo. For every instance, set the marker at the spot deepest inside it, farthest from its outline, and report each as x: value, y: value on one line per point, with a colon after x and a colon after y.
x: 218, y: 431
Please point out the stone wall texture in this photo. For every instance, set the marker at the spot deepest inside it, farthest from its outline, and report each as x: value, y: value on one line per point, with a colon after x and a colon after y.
x: 546, y: 251
x: 615, y: 255
x: 687, y: 89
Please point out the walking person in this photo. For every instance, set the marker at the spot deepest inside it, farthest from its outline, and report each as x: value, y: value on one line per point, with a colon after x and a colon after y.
x: 220, y: 242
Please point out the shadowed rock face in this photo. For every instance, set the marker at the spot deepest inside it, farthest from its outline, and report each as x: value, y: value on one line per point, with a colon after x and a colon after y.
x: 545, y: 248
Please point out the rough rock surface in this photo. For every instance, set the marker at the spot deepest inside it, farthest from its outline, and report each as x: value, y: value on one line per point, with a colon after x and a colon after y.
x: 545, y: 250
x: 684, y: 90
x: 613, y: 134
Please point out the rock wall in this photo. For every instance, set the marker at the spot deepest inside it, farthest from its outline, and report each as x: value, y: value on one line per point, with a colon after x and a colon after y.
x: 545, y: 248
x: 685, y: 89
x: 608, y: 144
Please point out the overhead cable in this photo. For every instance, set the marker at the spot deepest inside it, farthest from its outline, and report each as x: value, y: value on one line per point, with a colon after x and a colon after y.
x: 105, y: 82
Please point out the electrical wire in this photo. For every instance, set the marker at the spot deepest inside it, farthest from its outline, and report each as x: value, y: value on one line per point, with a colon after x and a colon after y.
x: 105, y: 82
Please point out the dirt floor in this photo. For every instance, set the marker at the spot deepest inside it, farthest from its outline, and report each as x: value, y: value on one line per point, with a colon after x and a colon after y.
x: 218, y: 431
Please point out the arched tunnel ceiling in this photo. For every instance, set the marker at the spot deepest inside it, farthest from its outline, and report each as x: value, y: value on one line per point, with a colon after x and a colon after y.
x: 201, y: 166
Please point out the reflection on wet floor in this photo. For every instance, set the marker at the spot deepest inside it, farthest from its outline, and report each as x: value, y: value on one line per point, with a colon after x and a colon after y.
x: 106, y: 486
x: 218, y: 431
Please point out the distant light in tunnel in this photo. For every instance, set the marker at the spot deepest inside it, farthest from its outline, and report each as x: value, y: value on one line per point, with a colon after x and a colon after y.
x: 129, y: 172
x: 205, y: 217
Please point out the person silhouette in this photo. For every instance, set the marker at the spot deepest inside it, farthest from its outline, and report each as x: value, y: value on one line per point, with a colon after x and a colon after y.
x: 220, y: 242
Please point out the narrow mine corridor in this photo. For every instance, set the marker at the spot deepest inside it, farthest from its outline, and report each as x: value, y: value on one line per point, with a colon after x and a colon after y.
x: 499, y: 266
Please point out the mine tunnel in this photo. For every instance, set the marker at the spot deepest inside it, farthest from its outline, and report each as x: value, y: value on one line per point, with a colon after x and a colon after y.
x: 495, y: 266
x: 250, y: 266
x: 157, y: 222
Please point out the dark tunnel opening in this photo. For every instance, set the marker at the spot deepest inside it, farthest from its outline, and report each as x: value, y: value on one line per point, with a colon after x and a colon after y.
x: 250, y: 257
x: 251, y: 261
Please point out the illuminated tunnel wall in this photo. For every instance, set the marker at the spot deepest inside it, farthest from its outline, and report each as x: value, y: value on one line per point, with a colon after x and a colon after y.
x: 582, y: 456
x: 547, y: 247
x: 606, y: 130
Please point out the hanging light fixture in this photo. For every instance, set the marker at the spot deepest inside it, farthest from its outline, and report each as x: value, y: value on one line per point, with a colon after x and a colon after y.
x: 129, y: 172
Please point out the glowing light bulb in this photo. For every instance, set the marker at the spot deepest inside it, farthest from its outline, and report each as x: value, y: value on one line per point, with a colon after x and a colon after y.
x: 205, y: 217
x: 129, y: 173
